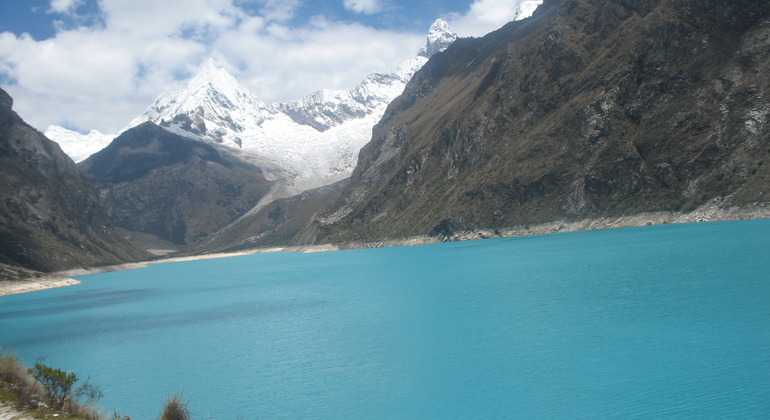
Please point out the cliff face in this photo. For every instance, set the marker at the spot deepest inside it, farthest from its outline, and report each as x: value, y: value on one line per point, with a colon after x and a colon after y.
x: 51, y: 216
x: 587, y: 109
x: 155, y: 182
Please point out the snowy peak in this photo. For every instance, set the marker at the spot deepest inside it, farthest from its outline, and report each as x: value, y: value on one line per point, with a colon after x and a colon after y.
x: 527, y: 8
x: 325, y: 109
x: 213, y: 81
x: 78, y: 146
x: 316, y: 138
x: 440, y: 36
x: 212, y: 105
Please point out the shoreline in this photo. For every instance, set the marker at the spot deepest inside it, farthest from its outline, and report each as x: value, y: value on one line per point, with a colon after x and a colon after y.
x: 711, y: 212
x: 17, y: 287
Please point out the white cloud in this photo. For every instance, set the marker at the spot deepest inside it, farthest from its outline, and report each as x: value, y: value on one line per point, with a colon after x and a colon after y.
x: 104, y: 76
x: 64, y: 6
x: 368, y: 7
x: 282, y: 64
x: 279, y: 10
x: 484, y: 16
x: 101, y: 77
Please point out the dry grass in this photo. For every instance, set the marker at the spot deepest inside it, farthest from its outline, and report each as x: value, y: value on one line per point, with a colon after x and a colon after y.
x: 15, y: 385
x: 175, y: 409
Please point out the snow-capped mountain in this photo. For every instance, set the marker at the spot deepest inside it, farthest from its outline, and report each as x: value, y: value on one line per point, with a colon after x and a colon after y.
x: 213, y: 105
x: 440, y: 35
x: 78, y: 146
x: 316, y: 138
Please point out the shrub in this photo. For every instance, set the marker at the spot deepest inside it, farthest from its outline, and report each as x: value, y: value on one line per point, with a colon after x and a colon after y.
x: 60, y: 388
x: 13, y: 380
x: 175, y: 409
x: 11, y: 370
x: 57, y: 384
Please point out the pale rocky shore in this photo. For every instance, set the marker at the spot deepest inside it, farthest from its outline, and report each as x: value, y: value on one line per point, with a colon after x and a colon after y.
x: 7, y: 412
x: 711, y: 212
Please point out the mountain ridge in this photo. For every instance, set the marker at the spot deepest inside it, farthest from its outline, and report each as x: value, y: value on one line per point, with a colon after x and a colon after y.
x: 51, y: 216
x: 176, y: 189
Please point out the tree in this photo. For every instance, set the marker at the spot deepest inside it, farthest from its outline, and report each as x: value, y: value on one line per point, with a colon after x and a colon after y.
x: 59, y: 386
x: 57, y: 383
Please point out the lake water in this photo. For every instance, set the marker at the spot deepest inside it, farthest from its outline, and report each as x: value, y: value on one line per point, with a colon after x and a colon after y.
x: 668, y: 321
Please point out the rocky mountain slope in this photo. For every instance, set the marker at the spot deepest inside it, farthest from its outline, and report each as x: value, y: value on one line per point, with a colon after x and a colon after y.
x: 176, y: 189
x: 587, y: 109
x: 273, y: 225
x: 51, y: 216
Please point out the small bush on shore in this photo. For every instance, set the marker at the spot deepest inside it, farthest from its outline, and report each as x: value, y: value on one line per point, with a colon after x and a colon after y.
x: 57, y: 383
x: 175, y: 409
x: 48, y: 392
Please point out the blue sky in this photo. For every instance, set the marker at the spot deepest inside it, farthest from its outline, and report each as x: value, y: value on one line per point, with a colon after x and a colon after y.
x: 37, y: 18
x: 97, y: 64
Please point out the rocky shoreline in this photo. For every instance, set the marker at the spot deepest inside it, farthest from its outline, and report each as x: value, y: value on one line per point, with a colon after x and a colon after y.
x: 714, y: 211
x: 30, y: 281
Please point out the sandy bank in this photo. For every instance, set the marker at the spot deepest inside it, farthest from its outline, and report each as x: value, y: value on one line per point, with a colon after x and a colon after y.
x: 34, y: 284
x: 35, y: 281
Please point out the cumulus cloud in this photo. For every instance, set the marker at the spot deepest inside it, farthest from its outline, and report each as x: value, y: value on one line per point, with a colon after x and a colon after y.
x: 368, y: 7
x: 64, y: 6
x: 484, y: 16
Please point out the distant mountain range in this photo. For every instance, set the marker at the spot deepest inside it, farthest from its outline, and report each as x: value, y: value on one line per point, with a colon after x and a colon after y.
x: 315, y: 140
x: 203, y: 157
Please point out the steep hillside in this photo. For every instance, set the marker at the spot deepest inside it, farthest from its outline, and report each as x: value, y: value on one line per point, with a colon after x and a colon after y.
x: 274, y: 224
x: 180, y: 190
x: 51, y: 216
x: 586, y: 109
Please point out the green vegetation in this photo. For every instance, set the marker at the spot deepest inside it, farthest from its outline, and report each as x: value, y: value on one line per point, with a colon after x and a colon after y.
x: 59, y: 387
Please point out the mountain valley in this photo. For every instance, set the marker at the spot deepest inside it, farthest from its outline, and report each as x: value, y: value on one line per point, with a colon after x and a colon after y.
x: 583, y: 111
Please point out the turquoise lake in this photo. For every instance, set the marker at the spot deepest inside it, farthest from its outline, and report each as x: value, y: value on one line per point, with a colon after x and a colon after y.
x: 669, y: 321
